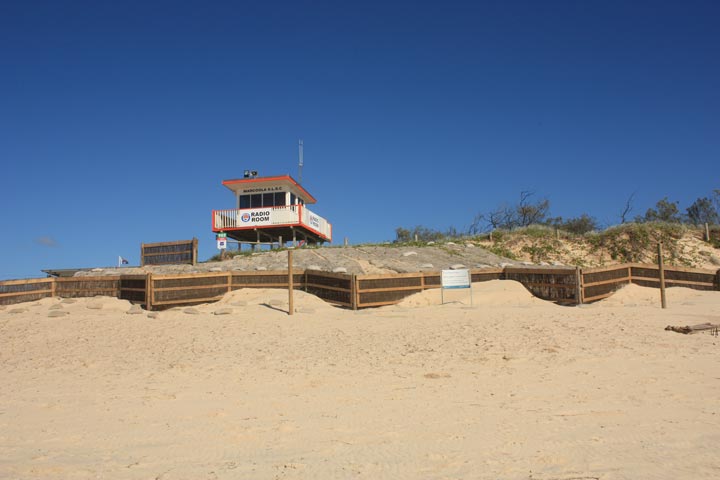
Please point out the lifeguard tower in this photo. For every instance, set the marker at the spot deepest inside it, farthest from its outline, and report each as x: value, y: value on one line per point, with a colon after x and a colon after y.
x: 271, y: 210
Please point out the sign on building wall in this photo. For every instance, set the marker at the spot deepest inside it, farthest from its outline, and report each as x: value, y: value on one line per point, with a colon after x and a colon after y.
x: 256, y: 218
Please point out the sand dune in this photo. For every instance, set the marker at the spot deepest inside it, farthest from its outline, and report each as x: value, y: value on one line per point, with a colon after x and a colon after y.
x: 510, y: 387
x: 493, y: 293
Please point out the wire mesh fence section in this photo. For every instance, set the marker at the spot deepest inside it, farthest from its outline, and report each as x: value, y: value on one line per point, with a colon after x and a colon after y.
x: 336, y: 288
x: 87, y: 286
x: 133, y: 288
x: 29, y: 290
x: 555, y: 285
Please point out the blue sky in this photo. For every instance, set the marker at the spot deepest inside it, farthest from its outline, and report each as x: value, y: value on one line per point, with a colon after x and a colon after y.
x: 119, y: 120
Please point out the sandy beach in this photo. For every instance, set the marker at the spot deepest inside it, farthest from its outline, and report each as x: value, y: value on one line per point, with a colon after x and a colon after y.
x: 510, y: 387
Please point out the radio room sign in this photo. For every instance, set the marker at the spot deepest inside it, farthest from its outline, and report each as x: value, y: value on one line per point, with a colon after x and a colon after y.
x: 257, y: 217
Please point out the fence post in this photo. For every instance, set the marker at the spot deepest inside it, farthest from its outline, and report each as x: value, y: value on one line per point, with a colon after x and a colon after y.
x: 578, y: 286
x: 353, y: 291
x: 148, y: 291
x: 661, y: 269
x: 291, y: 306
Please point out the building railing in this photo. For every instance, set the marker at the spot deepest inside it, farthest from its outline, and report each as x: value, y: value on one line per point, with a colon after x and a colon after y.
x: 316, y: 222
x: 285, y: 215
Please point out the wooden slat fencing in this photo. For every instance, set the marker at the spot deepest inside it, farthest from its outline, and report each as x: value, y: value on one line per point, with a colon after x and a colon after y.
x: 18, y: 291
x: 166, y: 291
x: 169, y: 253
x: 388, y: 289
x: 649, y: 276
x: 561, y: 285
x: 599, y: 283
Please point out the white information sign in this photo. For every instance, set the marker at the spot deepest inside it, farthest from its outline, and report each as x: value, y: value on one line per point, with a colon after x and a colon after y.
x: 222, y: 243
x: 455, y: 279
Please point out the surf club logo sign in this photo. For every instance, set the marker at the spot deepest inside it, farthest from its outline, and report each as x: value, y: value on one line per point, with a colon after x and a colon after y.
x: 314, y: 221
x: 259, y: 216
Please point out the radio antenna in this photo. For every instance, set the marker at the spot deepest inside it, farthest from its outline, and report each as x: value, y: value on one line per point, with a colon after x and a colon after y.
x: 300, y: 160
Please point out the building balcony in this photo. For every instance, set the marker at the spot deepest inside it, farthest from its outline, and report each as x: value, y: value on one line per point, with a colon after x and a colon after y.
x: 287, y: 222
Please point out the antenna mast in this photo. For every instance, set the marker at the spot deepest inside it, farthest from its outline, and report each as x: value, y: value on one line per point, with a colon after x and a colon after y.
x: 300, y: 162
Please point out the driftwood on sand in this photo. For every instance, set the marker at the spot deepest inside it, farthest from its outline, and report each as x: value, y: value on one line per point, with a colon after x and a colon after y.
x: 713, y: 327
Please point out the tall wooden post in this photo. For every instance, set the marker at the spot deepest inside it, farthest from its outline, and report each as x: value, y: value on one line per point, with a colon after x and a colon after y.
x: 194, y: 251
x: 707, y: 232
x: 291, y: 305
x: 353, y: 292
x: 661, y: 268
x: 578, y: 286
x: 149, y: 292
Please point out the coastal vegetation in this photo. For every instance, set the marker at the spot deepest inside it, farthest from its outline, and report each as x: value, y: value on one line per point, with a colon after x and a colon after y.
x: 527, y: 231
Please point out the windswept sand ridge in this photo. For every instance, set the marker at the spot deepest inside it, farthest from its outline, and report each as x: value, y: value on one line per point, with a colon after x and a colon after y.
x: 496, y: 390
x: 493, y: 293
x: 369, y: 259
x: 635, y: 295
x: 272, y: 297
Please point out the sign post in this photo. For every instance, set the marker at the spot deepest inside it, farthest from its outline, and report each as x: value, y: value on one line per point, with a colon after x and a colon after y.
x: 291, y: 304
x: 661, y: 273
x: 455, y: 279
x: 221, y: 239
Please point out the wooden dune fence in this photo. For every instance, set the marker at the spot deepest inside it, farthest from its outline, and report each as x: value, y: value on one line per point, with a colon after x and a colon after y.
x: 169, y: 253
x: 569, y: 286
x: 166, y: 291
x: 388, y: 289
x: 561, y: 285
x: 128, y: 287
x: 599, y: 283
